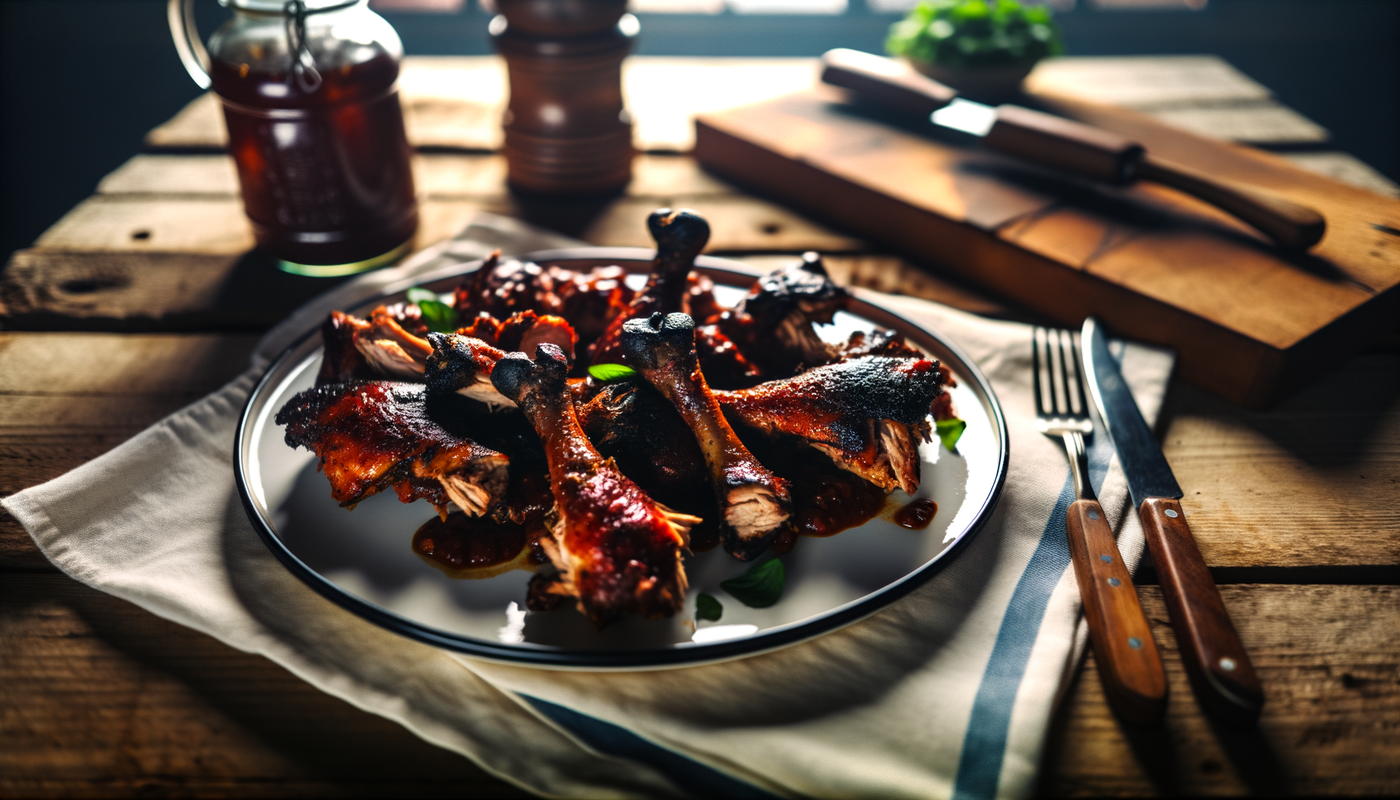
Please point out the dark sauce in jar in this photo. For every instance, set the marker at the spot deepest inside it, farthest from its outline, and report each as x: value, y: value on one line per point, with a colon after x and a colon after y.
x: 474, y: 547
x: 916, y: 515
x: 325, y: 174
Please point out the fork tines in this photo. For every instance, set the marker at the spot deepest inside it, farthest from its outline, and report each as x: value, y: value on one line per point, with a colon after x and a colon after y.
x: 1060, y: 402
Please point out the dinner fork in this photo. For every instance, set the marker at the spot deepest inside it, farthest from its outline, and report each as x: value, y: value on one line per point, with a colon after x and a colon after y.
x: 1126, y: 654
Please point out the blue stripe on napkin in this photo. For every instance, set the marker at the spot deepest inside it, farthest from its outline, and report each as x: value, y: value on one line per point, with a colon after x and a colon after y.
x: 689, y: 775
x: 984, y: 747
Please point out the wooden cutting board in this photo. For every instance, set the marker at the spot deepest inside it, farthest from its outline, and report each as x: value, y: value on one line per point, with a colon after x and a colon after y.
x: 1154, y: 264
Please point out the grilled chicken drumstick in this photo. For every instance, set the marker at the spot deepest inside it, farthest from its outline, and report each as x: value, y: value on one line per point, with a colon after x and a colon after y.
x: 617, y: 550
x: 371, y: 435
x: 867, y: 413
x: 754, y: 501
x: 680, y: 236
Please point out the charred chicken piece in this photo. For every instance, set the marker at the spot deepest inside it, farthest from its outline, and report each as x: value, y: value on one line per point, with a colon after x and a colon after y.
x: 523, y: 331
x: 341, y: 360
x: 724, y: 366
x: 868, y: 414
x: 616, y: 549
x: 592, y: 300
x: 754, y: 501
x: 377, y: 347
x: 680, y: 236
x: 879, y: 342
x: 772, y: 325
x: 463, y: 364
x: 390, y: 350
x: 639, y: 428
x: 503, y: 288
x: 371, y: 435
x: 699, y: 301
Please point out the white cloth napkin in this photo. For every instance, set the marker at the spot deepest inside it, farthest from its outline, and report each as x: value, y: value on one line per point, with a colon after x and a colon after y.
x: 947, y: 693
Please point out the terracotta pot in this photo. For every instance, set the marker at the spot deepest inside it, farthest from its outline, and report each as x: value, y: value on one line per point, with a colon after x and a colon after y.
x: 987, y: 84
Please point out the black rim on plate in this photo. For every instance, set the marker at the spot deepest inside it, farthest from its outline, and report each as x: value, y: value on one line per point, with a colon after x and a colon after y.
x: 722, y: 271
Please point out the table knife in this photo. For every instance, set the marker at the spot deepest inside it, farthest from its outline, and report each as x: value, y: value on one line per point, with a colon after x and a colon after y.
x: 1061, y: 143
x: 1216, y: 661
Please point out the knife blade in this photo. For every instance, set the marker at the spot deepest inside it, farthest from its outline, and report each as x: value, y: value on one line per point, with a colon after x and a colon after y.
x: 1061, y: 143
x: 1215, y: 659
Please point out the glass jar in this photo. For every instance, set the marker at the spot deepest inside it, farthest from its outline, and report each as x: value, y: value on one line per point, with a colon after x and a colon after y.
x: 310, y: 97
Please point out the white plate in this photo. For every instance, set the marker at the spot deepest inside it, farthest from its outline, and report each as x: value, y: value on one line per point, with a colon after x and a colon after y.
x: 363, y: 561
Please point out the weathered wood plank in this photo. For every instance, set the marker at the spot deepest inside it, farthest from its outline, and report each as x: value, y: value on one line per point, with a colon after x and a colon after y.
x: 1329, y: 659
x: 69, y: 398
x: 187, y: 225
x: 107, y: 696
x: 166, y: 245
x: 187, y: 204
x: 436, y: 175
x: 456, y: 102
x: 103, y: 699
x: 1315, y: 480
x: 133, y: 291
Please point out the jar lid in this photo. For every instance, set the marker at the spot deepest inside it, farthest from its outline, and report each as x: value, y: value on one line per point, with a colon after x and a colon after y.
x: 279, y: 6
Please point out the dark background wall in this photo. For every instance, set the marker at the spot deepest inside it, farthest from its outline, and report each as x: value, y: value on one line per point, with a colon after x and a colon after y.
x: 81, y: 81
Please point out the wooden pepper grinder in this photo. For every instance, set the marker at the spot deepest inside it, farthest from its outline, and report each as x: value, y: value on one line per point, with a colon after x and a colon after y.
x: 566, y: 129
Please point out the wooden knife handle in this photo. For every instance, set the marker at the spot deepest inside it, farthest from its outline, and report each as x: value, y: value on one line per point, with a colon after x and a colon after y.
x: 1106, y: 156
x: 1290, y: 225
x: 1127, y: 656
x: 884, y: 82
x: 1210, y: 648
x: 1064, y: 144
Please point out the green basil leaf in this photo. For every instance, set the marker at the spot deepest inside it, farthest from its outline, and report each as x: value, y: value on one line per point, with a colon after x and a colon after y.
x: 611, y: 372
x: 418, y: 294
x: 760, y: 587
x: 949, y: 431
x: 441, y: 318
x: 708, y: 608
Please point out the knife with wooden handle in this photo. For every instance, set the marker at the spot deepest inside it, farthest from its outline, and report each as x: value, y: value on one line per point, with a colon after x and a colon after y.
x: 1062, y: 144
x: 1215, y: 659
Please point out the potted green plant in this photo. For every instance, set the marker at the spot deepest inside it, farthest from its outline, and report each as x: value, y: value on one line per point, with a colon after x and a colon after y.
x: 982, y: 48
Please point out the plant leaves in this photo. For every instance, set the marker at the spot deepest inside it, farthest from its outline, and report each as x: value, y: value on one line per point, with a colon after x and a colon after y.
x: 708, y: 608
x: 441, y: 317
x: 611, y: 372
x: 949, y: 431
x: 761, y: 586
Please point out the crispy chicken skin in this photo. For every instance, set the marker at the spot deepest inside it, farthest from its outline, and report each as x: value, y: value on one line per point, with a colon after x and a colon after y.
x: 589, y: 300
x: 754, y: 501
x: 463, y: 364
x: 867, y: 413
x: 772, y: 325
x: 637, y: 426
x: 616, y: 550
x: 371, y: 435
x: 522, y: 331
x: 680, y: 236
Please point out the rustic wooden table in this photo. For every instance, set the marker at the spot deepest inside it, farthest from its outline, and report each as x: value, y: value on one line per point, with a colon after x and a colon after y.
x: 146, y: 296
